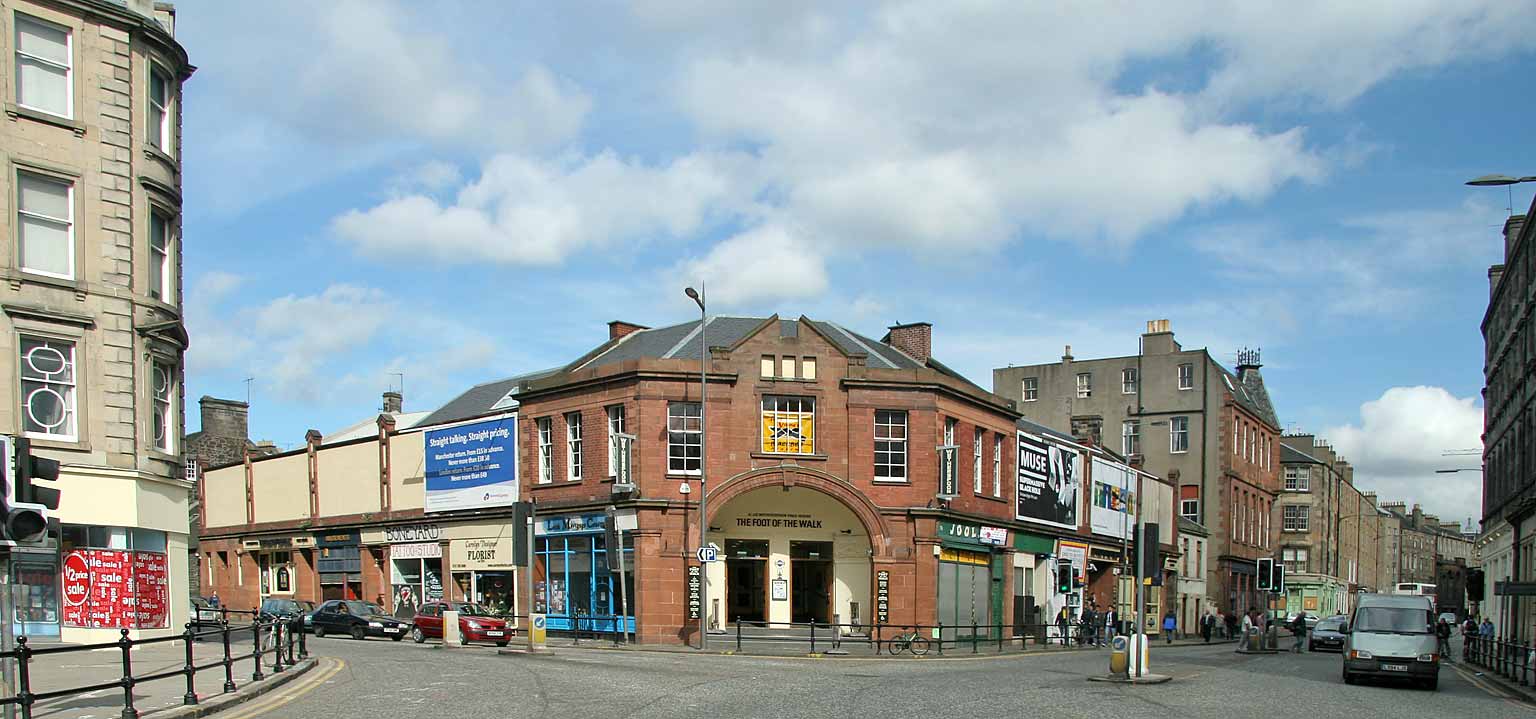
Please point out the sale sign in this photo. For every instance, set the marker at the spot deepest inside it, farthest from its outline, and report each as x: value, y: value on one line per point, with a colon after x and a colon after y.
x: 115, y: 589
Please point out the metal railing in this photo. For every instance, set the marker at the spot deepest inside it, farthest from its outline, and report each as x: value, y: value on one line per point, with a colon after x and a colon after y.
x: 964, y: 638
x: 1509, y: 659
x: 286, y: 648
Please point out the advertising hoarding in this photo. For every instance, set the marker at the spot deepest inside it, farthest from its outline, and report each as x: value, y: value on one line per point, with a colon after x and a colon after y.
x: 1049, y: 488
x: 115, y: 589
x: 472, y: 466
x: 1113, y: 507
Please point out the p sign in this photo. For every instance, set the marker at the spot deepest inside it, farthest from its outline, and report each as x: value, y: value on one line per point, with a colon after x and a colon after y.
x: 708, y: 554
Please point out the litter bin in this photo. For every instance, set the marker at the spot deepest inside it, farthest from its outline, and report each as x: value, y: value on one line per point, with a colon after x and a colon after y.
x: 1255, y: 640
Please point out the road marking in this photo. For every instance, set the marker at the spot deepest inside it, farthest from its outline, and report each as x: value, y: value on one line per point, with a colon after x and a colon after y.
x: 328, y: 667
x: 1489, y: 687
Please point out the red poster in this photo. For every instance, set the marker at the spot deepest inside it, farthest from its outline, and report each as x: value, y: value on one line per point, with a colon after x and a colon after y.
x: 122, y: 589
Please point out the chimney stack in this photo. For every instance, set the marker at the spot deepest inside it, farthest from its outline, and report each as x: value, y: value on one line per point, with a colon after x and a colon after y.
x: 1512, y: 228
x: 394, y: 403
x: 620, y: 328
x: 913, y: 338
x: 225, y: 418
x: 1158, y: 339
x: 1495, y: 273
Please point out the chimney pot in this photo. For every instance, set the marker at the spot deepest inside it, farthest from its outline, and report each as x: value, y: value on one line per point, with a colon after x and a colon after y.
x: 620, y: 328
x: 913, y: 338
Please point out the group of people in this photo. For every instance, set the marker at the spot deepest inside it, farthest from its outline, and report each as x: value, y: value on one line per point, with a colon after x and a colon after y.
x: 1094, y: 627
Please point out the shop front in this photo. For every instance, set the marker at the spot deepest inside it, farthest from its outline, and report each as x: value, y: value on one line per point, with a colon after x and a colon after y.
x: 1031, y: 576
x: 339, y: 563
x: 572, y: 584
x: 112, y: 577
x: 35, y: 576
x: 970, y: 580
x: 1075, y: 553
x: 276, y: 563
x: 483, y: 571
x: 415, y: 566
x: 790, y: 556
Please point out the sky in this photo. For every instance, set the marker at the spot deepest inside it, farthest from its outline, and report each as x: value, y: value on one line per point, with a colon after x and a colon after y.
x: 443, y: 194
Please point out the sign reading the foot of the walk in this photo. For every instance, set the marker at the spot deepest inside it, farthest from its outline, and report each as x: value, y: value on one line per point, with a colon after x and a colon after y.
x: 695, y: 583
x: 882, y: 596
x: 470, y: 466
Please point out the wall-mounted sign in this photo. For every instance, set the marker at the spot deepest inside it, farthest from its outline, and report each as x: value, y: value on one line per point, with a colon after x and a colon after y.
x: 695, y: 603
x: 471, y: 466
x: 966, y: 533
x: 778, y: 520
x: 423, y: 550
x: 949, y: 473
x: 340, y: 538
x: 480, y: 554
x: 882, y: 596
x: 413, y: 533
x: 1113, y: 512
x: 1049, y: 483
x: 571, y: 524
x: 996, y: 536
x: 780, y: 589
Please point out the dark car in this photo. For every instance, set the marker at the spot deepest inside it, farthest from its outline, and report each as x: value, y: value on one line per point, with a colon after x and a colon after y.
x: 357, y: 619
x: 1328, y: 634
x: 274, y: 608
x: 476, y: 623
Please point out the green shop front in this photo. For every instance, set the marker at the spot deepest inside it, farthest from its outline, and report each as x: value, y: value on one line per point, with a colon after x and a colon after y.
x: 970, y: 581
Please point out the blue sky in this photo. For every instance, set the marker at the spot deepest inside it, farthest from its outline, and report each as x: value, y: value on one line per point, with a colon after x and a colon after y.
x: 465, y: 191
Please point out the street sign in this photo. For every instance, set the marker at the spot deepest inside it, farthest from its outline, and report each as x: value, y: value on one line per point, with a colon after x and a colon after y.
x: 695, y: 603
x: 538, y: 631
x: 708, y: 554
x: 949, y: 476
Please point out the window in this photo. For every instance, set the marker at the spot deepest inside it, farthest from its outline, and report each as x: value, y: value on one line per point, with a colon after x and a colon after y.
x: 573, y: 447
x: 1186, y: 376
x: 1128, y: 380
x: 615, y: 428
x: 685, y: 437
x: 1178, y: 434
x: 808, y: 368
x: 787, y: 367
x: 1298, y: 479
x: 546, y: 450
x: 949, y: 431
x: 997, y: 465
x: 45, y: 209
x: 160, y: 257
x: 161, y: 117
x: 1031, y: 389
x: 1235, y: 515
x: 976, y: 461
x: 1130, y: 437
x: 789, y: 425
x: 43, y: 61
x: 163, y: 375
x: 1295, y: 518
x: 1085, y: 385
x: 1190, y: 508
x: 1295, y: 559
x: 890, y: 445
x: 48, y: 387
x: 1237, y: 428
x: 767, y: 370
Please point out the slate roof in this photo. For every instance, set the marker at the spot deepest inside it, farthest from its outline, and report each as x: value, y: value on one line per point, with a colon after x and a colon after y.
x: 1190, y: 526
x: 370, y: 427
x: 1042, y: 430
x: 482, y: 399
x: 1251, y: 394
x: 1291, y: 454
x: 682, y: 342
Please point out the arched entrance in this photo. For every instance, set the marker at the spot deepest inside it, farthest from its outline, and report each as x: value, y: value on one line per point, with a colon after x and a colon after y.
x: 791, y: 553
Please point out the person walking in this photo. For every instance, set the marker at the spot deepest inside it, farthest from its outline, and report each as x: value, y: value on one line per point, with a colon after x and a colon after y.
x: 1229, y: 625
x: 1468, y: 634
x: 1207, y: 623
x: 1062, y: 620
x: 1246, y: 628
x: 1299, y: 631
x: 1170, y: 623
x: 1087, y: 631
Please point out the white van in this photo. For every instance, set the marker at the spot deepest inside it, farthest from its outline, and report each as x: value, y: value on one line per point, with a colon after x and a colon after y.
x: 1392, y: 636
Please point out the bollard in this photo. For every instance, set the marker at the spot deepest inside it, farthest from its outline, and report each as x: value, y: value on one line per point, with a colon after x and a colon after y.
x: 813, y: 636
x: 277, y: 645
x: 126, y: 645
x: 303, y: 644
x: 256, y: 675
x: 190, y: 698
x: 24, y: 677
x: 941, y: 638
x: 229, y: 664
x: 738, y: 636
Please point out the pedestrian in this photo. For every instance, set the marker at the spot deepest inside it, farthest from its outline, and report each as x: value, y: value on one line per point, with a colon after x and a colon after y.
x: 1170, y: 623
x: 1110, y: 617
x: 1062, y: 618
x: 1299, y: 631
x: 1443, y: 638
x: 1229, y: 625
x: 1486, y: 630
x: 1246, y: 628
x: 1087, y: 629
x: 1468, y: 634
x: 1207, y: 623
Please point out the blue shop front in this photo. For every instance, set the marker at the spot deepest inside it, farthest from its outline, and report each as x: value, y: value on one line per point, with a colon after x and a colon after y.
x: 572, y: 583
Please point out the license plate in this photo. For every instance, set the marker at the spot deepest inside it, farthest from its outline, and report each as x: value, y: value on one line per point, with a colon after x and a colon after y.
x: 493, y: 633
x: 1394, y: 667
x: 391, y: 630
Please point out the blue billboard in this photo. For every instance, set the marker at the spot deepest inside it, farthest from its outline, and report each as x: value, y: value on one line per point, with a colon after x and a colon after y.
x: 472, y: 466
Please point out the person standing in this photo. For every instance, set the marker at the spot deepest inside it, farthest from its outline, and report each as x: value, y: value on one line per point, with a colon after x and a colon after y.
x: 1087, y: 629
x: 1247, y: 627
x: 1468, y: 633
x: 1299, y: 631
x: 1207, y: 623
x: 1229, y: 625
x: 1170, y: 623
x: 1443, y: 638
x: 1110, y: 616
x: 1062, y: 619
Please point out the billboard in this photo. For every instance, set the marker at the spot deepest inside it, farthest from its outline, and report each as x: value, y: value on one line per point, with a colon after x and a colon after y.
x: 1049, y: 483
x: 472, y: 466
x: 1113, y: 508
x: 115, y: 589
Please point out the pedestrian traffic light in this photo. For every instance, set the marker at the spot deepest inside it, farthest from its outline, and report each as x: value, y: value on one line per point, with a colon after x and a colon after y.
x: 1277, y: 582
x: 1266, y: 578
x: 1475, y: 580
x: 24, y: 518
x: 1064, y: 576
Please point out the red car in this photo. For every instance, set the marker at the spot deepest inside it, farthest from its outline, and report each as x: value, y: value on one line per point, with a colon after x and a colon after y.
x: 475, y: 623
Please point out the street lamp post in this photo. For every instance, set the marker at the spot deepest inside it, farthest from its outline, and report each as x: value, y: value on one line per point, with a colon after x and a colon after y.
x: 698, y: 298
x: 1504, y: 181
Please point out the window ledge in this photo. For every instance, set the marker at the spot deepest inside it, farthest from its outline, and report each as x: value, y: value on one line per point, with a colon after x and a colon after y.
x: 164, y: 158
x: 891, y: 481
x: 990, y: 498
x: 15, y: 111
x: 690, y: 476
x: 19, y: 276
x: 781, y: 457
x: 65, y: 444
x: 164, y: 456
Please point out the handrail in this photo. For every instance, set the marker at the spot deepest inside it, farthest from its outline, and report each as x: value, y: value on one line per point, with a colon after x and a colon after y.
x: 957, y: 636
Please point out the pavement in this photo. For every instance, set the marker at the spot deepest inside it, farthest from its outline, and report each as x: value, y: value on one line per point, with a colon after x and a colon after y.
x: 50, y: 672
x: 385, y: 680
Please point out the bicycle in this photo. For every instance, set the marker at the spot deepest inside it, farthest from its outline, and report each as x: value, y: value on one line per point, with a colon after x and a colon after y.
x: 911, y: 641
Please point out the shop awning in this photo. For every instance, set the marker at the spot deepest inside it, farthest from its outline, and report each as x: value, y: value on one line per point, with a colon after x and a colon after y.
x: 1026, y: 542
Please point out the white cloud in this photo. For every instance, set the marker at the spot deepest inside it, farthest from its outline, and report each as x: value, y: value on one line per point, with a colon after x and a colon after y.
x: 762, y: 265
x: 1399, y: 443
x: 527, y: 211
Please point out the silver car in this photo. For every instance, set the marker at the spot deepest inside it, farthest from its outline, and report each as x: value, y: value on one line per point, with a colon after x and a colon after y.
x: 1392, y: 637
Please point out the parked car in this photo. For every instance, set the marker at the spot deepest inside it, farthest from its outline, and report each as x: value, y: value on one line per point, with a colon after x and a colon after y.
x: 275, y: 608
x: 205, y: 615
x: 1311, y: 620
x: 1328, y: 634
x: 476, y: 624
x: 1392, y: 636
x: 357, y: 619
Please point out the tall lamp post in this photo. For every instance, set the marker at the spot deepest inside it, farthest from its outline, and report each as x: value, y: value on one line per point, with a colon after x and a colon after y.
x: 1504, y: 181
x: 698, y: 298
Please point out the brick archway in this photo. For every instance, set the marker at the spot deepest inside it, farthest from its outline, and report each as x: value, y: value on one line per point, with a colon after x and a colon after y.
x: 795, y: 476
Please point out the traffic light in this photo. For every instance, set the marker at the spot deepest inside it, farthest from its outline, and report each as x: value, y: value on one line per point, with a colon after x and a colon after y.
x: 1266, y: 579
x: 1277, y: 584
x: 1475, y: 580
x: 24, y: 519
x: 1151, y: 563
x: 1064, y: 576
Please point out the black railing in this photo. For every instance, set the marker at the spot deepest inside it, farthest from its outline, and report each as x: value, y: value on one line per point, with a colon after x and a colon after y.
x: 965, y: 638
x: 278, y: 639
x: 1504, y: 657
